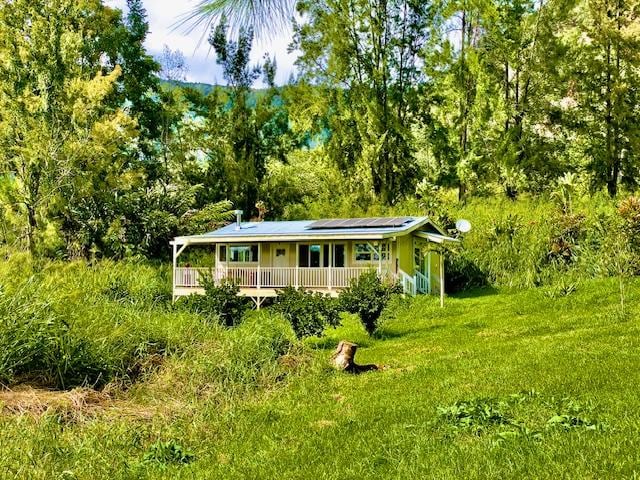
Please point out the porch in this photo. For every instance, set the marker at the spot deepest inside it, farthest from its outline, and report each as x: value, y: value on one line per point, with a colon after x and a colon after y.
x: 265, y: 281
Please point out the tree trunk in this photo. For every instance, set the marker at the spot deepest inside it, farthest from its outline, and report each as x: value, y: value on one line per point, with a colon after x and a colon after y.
x: 32, y: 227
x: 344, y: 359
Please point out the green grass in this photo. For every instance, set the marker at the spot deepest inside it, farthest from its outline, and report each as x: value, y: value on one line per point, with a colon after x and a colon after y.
x: 496, y: 385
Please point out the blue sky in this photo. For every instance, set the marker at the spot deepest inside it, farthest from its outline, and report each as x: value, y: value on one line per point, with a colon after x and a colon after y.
x: 162, y: 16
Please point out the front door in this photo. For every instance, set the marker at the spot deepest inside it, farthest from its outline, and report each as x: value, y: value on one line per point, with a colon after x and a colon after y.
x: 280, y: 255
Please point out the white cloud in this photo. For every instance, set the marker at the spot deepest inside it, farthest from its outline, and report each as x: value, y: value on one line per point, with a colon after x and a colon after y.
x: 163, y: 15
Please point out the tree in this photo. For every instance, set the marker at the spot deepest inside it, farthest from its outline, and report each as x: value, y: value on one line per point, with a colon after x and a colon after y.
x: 602, y: 39
x: 54, y: 117
x: 254, y: 126
x: 174, y: 65
x: 367, y: 55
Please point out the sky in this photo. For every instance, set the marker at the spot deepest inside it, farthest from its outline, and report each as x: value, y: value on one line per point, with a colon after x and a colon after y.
x: 163, y: 15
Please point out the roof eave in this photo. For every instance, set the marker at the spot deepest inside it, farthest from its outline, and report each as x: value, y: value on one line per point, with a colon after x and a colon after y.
x: 436, y: 238
x: 204, y: 240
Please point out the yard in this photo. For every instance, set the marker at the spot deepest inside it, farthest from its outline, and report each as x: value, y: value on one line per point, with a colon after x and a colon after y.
x: 521, y: 384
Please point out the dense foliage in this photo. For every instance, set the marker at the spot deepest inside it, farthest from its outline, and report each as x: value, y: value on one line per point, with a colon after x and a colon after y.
x: 367, y: 296
x: 220, y: 303
x: 392, y: 101
x: 308, y: 313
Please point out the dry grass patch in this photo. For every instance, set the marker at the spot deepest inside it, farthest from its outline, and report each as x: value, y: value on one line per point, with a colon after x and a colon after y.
x: 78, y: 402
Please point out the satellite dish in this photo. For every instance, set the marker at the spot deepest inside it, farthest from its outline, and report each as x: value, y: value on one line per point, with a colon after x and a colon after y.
x: 463, y: 226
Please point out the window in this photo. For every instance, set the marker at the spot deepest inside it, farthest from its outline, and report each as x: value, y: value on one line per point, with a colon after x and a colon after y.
x: 243, y: 253
x: 303, y: 253
x: 309, y: 256
x: 314, y: 256
x: 281, y: 252
x: 363, y: 252
x: 338, y: 256
x: 223, y: 253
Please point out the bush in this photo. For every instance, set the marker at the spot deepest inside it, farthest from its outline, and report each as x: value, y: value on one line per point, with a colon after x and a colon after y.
x: 367, y: 296
x: 68, y: 324
x: 219, y: 303
x: 566, y: 236
x: 257, y: 354
x: 308, y: 313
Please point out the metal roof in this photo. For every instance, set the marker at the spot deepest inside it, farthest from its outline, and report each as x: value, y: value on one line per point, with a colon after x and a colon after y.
x: 300, y: 231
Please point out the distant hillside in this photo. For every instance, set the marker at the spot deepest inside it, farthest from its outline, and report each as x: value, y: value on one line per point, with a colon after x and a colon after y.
x: 203, y: 88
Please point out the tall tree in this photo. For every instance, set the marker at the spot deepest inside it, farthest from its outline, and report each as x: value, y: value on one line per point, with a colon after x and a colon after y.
x: 366, y: 53
x: 603, y: 78
x: 54, y: 115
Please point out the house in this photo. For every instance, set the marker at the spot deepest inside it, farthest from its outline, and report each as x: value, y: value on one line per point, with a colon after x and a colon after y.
x: 319, y: 255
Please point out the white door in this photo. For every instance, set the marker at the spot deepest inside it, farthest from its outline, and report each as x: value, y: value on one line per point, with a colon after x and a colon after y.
x: 282, y: 275
x: 280, y: 255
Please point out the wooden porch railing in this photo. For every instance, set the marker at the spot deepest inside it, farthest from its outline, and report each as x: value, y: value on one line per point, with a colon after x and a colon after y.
x: 272, y: 277
x: 422, y: 283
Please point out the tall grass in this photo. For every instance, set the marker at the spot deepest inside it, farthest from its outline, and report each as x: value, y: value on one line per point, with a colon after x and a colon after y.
x: 73, y: 324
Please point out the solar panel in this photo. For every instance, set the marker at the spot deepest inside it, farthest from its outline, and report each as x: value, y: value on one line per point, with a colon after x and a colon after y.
x: 360, y: 223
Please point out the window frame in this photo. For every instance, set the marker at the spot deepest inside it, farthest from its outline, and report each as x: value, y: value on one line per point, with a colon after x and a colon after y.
x: 385, y: 250
x: 308, y: 246
x: 253, y: 247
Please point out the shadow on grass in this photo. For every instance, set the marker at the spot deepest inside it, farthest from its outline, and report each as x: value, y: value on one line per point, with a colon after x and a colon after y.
x: 384, y: 334
x: 330, y: 343
x: 476, y: 292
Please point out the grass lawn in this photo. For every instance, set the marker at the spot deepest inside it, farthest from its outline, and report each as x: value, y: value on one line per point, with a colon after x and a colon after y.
x: 495, y: 385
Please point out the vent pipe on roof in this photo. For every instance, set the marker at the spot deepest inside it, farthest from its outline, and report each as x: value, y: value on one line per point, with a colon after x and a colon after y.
x: 238, y: 219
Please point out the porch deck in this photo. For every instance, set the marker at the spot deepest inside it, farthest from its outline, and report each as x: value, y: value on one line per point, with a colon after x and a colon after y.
x: 264, y: 281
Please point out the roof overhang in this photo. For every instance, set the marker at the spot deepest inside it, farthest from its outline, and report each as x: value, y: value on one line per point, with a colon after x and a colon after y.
x: 206, y: 240
x: 436, y: 238
x: 296, y: 237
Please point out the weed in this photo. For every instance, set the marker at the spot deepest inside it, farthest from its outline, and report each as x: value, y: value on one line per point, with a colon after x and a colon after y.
x: 166, y: 453
x: 480, y: 416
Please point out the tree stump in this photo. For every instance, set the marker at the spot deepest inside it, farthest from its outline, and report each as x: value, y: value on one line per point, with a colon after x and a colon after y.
x: 344, y: 359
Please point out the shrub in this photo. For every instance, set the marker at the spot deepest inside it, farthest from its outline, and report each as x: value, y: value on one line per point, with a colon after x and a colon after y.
x: 46, y: 340
x: 367, y: 296
x: 629, y: 211
x: 308, y: 313
x: 219, y: 303
x: 566, y: 236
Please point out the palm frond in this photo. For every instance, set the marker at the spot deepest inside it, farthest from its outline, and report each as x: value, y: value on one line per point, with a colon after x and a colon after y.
x: 267, y: 18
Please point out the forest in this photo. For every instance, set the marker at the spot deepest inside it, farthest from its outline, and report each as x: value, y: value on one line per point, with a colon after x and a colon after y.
x: 395, y: 105
x: 522, y: 117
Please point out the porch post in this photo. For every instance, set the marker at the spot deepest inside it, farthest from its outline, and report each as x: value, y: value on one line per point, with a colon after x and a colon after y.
x: 259, y: 279
x: 297, y: 265
x: 215, y: 264
x: 329, y: 279
x: 175, y: 267
x: 429, y: 271
x: 380, y: 259
x: 390, y: 259
x: 441, y: 279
